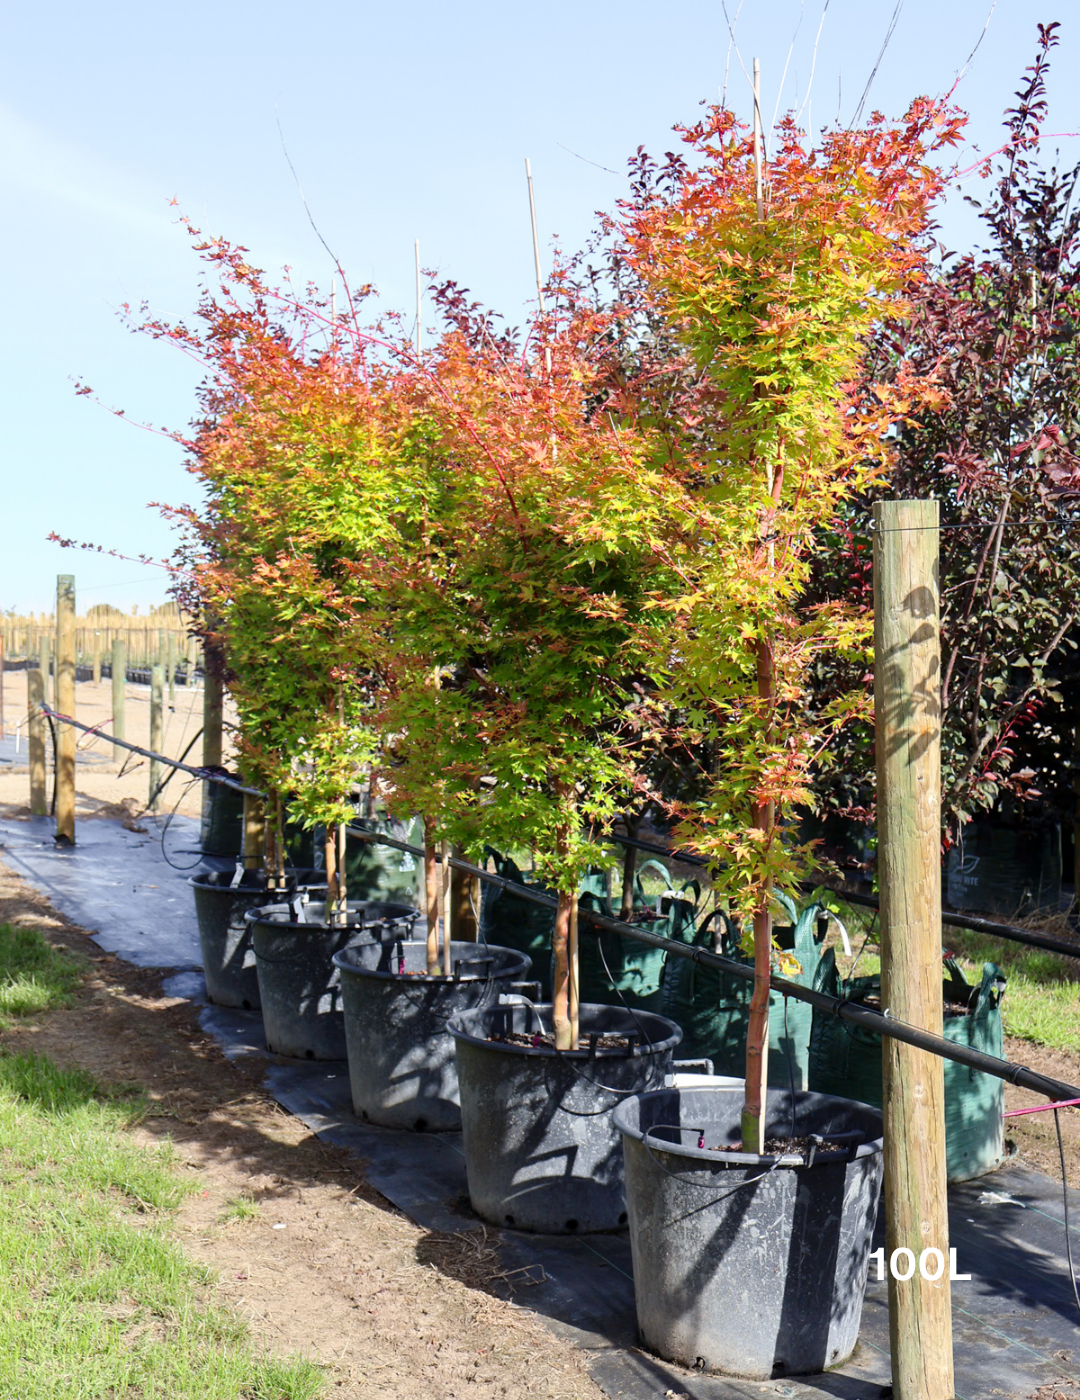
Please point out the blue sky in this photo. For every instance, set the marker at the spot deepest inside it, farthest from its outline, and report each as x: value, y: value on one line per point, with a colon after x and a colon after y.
x: 403, y: 122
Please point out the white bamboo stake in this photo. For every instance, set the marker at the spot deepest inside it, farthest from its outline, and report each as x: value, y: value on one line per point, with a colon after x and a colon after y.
x: 418, y: 320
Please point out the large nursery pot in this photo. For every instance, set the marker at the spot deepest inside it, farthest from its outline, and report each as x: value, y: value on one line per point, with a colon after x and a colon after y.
x: 401, y: 1057
x: 754, y: 1266
x: 299, y: 986
x: 222, y: 899
x: 541, y: 1149
x: 845, y: 1058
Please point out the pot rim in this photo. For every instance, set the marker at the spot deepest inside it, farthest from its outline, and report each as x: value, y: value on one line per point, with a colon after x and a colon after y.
x: 639, y: 1050
x: 280, y: 916
x: 514, y: 970
x: 202, y: 879
x: 869, y: 1148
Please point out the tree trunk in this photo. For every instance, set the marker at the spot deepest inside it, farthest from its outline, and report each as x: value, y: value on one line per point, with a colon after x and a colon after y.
x: 757, y: 1032
x: 431, y: 895
x: 560, y: 948
x: 330, y: 849
x: 629, y: 868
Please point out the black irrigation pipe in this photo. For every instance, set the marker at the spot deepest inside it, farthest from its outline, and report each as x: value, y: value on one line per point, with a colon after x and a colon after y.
x: 203, y: 773
x: 968, y: 921
x: 977, y: 925
x: 880, y: 1022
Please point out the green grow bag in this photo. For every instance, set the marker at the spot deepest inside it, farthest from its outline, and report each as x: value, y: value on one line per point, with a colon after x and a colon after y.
x: 508, y: 921
x: 383, y: 872
x: 221, y: 832
x: 713, y: 1008
x: 615, y: 970
x: 846, y: 1059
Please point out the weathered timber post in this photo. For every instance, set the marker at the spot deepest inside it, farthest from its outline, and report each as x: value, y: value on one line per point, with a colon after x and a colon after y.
x: 119, y: 691
x: 65, y: 703
x: 157, y: 733
x: 171, y: 663
x: 45, y: 647
x: 254, y: 831
x: 35, y: 736
x: 3, y: 653
x: 97, y: 657
x: 907, y: 702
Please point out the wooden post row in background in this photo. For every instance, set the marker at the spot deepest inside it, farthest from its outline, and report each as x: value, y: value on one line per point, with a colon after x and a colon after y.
x: 907, y: 703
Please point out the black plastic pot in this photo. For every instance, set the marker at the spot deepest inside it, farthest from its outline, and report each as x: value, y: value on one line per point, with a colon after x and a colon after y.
x: 541, y: 1149
x: 401, y: 1057
x: 754, y: 1266
x: 222, y: 829
x: 220, y: 906
x: 298, y: 982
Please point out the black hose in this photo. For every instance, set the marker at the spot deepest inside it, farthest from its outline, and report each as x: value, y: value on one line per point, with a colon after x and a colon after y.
x: 853, y: 1011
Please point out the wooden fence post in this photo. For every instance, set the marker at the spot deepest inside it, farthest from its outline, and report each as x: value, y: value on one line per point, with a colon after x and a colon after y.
x: 97, y: 657
x: 171, y: 664
x: 35, y: 736
x: 119, y: 693
x: 157, y: 733
x: 65, y: 703
x: 907, y: 702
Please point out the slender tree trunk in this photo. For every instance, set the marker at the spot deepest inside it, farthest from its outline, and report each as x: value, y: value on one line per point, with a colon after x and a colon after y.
x: 757, y: 1035
x: 629, y: 868
x: 560, y: 948
x: 447, y: 891
x: 574, y: 998
x: 330, y: 849
x: 431, y: 893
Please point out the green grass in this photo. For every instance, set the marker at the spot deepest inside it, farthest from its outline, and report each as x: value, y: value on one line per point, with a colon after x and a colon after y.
x: 240, y: 1208
x: 34, y: 976
x: 97, y: 1300
x: 1042, y: 998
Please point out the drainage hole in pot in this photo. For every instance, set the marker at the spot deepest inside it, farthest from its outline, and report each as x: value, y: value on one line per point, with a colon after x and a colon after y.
x: 310, y: 1054
x: 622, y: 1218
x: 571, y: 1224
x: 248, y: 1006
x: 363, y: 1114
x: 420, y: 1124
x: 509, y: 1219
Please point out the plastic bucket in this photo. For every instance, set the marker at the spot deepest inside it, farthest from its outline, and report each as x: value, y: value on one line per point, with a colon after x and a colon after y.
x: 401, y: 1057
x: 754, y: 1266
x: 541, y: 1149
x: 227, y: 955
x: 298, y: 983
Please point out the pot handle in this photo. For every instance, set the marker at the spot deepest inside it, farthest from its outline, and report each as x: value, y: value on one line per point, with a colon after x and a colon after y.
x: 521, y: 994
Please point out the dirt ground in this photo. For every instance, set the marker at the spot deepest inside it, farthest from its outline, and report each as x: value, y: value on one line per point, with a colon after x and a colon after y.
x: 327, y: 1267
x: 102, y: 789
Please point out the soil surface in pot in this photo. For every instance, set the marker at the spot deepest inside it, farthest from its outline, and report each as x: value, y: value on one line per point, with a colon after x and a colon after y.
x: 547, y: 1042
x: 326, y: 1266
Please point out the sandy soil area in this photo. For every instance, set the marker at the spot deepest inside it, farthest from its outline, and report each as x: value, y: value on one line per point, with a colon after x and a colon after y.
x: 102, y: 783
x: 327, y: 1266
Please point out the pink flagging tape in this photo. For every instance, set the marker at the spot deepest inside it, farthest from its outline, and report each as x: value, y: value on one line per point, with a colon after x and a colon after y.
x: 1041, y: 1108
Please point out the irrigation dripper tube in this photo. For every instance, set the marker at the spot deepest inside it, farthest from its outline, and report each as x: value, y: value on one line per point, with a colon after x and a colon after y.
x: 149, y: 753
x: 860, y: 1015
